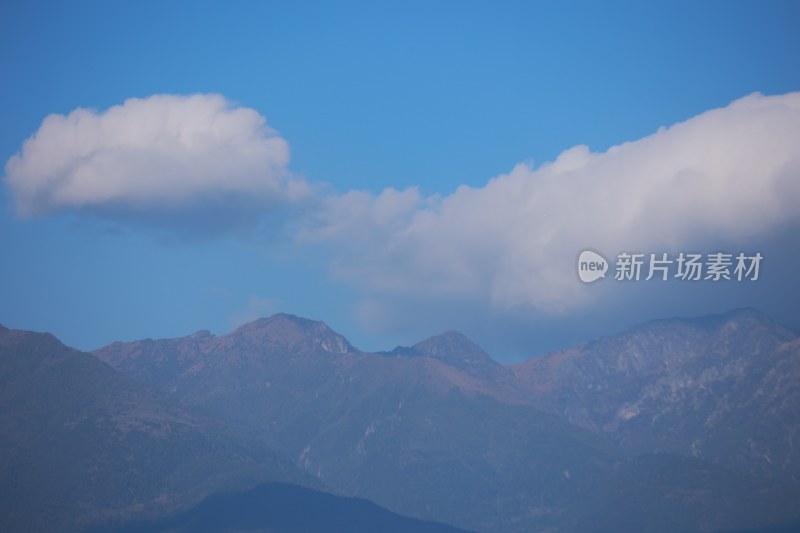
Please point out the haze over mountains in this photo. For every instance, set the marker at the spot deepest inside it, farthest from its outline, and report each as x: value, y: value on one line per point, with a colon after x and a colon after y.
x: 82, y: 443
x: 673, y: 425
x: 723, y: 388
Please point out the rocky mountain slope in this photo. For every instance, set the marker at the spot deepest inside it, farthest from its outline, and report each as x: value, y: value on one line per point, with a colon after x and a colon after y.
x: 441, y: 431
x: 81, y: 444
x: 83, y: 447
x: 414, y: 434
x: 724, y: 389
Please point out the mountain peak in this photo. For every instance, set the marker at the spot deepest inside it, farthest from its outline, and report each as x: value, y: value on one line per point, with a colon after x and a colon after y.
x: 201, y: 335
x: 448, y: 343
x: 455, y: 349
x: 292, y: 331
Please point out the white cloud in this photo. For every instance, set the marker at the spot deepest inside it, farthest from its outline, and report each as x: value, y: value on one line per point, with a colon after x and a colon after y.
x: 164, y: 154
x: 727, y: 175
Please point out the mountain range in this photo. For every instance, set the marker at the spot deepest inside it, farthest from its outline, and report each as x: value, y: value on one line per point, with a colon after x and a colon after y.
x: 83, y: 447
x: 723, y: 388
x: 673, y: 425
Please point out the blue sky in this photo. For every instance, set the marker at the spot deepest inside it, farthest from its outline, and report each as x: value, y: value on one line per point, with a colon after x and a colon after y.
x: 440, y: 97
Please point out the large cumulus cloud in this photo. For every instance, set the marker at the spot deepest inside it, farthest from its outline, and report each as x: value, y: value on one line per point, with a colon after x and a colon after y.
x: 728, y: 176
x: 159, y: 156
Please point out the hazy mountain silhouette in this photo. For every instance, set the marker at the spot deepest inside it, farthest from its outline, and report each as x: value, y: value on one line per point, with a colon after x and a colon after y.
x: 81, y: 444
x: 441, y: 431
x: 284, y: 508
x: 413, y: 434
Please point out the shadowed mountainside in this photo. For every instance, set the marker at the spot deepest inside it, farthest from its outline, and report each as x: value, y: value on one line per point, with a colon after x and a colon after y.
x: 81, y: 444
x: 414, y: 434
x: 283, y: 508
x: 441, y: 431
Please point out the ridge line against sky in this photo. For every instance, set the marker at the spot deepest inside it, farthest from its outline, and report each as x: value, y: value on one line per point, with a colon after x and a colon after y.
x: 180, y: 211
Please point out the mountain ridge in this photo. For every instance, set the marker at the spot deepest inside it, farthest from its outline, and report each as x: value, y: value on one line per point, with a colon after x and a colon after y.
x: 449, y: 424
x: 717, y: 386
x: 462, y: 340
x: 82, y: 444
